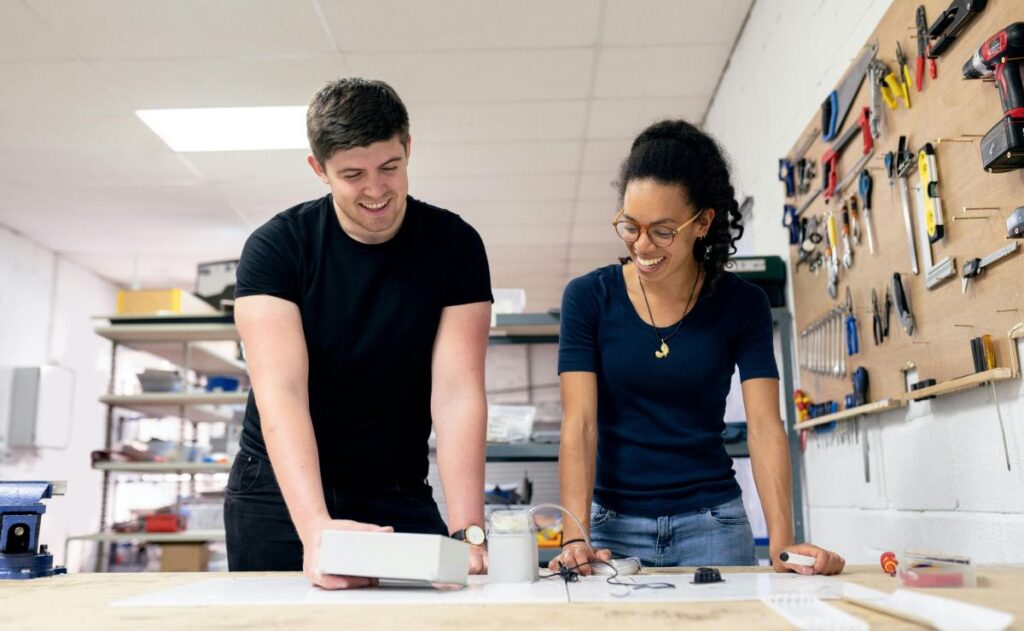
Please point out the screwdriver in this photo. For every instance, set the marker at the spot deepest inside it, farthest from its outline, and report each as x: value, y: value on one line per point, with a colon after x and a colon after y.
x: 864, y: 186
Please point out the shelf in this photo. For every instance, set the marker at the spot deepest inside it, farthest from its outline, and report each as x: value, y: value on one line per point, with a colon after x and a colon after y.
x: 524, y: 328
x: 162, y: 467
x: 870, y: 408
x: 522, y: 452
x: 187, y: 536
x: 213, y: 347
x: 199, y: 406
x: 960, y: 383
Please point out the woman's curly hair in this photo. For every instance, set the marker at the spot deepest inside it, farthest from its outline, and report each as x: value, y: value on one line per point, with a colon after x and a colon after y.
x: 676, y: 152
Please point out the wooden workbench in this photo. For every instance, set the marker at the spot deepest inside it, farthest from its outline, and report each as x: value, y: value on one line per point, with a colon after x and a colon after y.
x: 82, y: 601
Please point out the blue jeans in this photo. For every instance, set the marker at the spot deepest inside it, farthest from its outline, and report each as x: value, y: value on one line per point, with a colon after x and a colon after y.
x: 719, y: 535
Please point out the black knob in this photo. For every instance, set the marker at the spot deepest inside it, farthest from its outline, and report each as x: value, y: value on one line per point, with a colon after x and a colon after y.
x: 707, y: 575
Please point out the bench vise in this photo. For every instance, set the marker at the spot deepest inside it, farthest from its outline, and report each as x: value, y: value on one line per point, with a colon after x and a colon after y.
x: 21, y: 513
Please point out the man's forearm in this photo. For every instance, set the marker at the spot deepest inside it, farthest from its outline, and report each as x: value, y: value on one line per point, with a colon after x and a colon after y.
x: 769, y: 454
x: 461, y: 428
x: 291, y: 443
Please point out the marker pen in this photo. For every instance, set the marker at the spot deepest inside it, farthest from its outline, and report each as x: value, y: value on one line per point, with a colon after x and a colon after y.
x: 796, y: 559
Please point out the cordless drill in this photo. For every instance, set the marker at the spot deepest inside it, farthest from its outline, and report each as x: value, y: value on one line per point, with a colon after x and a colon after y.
x: 1002, y: 148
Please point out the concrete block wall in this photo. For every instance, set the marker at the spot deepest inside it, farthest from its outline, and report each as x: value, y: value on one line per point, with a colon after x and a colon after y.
x: 45, y: 306
x: 937, y: 471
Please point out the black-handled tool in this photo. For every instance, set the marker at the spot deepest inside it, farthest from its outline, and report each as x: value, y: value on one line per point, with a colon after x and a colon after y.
x: 950, y: 24
x: 900, y: 299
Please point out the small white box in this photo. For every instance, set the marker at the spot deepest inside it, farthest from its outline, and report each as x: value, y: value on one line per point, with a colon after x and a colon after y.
x: 395, y: 556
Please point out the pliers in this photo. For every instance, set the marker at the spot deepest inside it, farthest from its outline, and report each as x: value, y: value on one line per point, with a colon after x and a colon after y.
x: 923, y: 49
x: 906, y: 82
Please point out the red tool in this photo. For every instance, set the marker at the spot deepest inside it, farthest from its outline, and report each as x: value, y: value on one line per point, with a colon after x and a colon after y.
x: 1002, y: 148
x: 889, y: 563
x: 924, y: 49
x: 831, y: 157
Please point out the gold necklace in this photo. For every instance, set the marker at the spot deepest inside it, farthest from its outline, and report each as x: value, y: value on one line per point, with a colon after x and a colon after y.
x: 662, y: 351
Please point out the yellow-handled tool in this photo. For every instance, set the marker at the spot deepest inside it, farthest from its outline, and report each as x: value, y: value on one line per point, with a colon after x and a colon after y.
x: 930, y: 188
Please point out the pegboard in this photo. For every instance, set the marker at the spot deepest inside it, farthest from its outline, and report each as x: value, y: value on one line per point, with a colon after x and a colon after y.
x: 959, y: 112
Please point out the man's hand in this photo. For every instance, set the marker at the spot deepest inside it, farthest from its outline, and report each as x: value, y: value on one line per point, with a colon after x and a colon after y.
x: 477, y: 560
x: 578, y: 556
x: 311, y: 554
x: 825, y: 562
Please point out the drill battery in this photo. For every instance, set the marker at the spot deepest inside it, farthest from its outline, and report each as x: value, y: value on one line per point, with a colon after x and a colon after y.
x: 1002, y: 148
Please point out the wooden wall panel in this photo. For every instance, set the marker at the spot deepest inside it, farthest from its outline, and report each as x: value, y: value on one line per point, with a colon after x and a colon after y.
x: 946, y: 319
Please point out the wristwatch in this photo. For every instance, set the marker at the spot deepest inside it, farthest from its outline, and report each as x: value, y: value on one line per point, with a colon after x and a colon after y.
x: 471, y: 534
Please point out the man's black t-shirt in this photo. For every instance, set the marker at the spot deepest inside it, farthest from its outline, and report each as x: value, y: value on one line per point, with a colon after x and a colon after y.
x: 370, y: 315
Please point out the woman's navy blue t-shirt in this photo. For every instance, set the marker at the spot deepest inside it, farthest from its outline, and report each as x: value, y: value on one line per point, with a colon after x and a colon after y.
x: 660, y: 421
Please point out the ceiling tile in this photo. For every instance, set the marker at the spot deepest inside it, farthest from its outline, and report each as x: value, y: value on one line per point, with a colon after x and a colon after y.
x: 625, y: 118
x: 458, y: 77
x: 247, y: 194
x: 265, y: 166
x: 100, y: 166
x: 666, y: 71
x: 598, y: 186
x: 594, y: 233
x: 24, y: 36
x: 498, y: 158
x: 399, y: 25
x: 498, y: 122
x: 525, y: 236
x: 455, y: 191
x: 155, y: 29
x: 48, y: 86
x: 521, y: 213
x: 172, y: 83
x: 605, y: 155
x: 661, y: 22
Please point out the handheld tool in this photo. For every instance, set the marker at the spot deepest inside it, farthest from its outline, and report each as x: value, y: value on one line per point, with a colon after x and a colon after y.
x: 852, y: 341
x: 904, y: 82
x: 923, y: 46
x: 1015, y: 224
x: 902, y: 302
x: 864, y: 186
x: 789, y: 169
x: 931, y: 226
x: 974, y: 267
x: 877, y: 332
x: 789, y: 220
x: 1002, y: 147
x: 900, y: 165
x: 835, y: 108
x: 952, y: 21
x: 878, y: 73
x: 930, y: 186
x: 854, y: 219
x: 886, y: 313
x: 830, y: 159
x: 847, y: 249
x: 833, y: 256
x: 860, y: 386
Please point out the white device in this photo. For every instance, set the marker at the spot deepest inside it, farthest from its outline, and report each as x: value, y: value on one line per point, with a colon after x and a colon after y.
x: 616, y: 567
x: 796, y: 559
x: 393, y: 556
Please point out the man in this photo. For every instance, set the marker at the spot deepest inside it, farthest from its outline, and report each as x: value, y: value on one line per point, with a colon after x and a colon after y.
x: 365, y: 317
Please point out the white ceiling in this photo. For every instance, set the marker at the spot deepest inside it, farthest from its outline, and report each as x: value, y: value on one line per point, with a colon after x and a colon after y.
x: 521, y: 112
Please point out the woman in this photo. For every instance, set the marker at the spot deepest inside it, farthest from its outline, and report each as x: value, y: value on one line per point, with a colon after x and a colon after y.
x: 646, y: 355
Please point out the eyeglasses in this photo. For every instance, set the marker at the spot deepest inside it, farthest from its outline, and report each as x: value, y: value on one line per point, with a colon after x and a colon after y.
x: 661, y: 236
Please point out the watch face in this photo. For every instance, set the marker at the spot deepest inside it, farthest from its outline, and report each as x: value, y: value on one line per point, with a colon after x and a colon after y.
x: 475, y: 534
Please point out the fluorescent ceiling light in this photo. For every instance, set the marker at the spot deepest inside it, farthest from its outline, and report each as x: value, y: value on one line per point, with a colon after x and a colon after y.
x: 229, y: 128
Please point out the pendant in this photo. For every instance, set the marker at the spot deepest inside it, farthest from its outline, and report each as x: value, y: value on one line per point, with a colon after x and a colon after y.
x: 662, y: 352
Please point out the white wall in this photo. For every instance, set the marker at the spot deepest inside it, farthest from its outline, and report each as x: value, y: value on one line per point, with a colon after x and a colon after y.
x: 45, y: 306
x: 938, y: 477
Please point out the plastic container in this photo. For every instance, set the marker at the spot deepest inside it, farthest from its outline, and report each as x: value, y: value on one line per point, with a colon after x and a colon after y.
x: 512, y: 547
x: 510, y: 423
x: 153, y: 380
x: 919, y: 568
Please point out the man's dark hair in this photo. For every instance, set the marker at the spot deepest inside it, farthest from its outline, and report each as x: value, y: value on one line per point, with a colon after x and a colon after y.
x: 350, y: 113
x: 676, y: 152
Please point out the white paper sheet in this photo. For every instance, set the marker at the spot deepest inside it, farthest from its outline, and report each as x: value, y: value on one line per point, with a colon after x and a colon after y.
x: 943, y: 613
x: 596, y: 589
x: 298, y: 591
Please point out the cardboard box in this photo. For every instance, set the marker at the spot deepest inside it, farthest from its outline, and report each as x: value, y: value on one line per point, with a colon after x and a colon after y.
x: 161, y: 302
x: 184, y: 557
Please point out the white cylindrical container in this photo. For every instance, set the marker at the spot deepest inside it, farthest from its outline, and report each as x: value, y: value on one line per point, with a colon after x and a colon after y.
x: 512, y: 547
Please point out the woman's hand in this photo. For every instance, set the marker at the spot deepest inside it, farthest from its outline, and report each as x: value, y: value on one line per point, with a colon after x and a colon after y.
x: 577, y: 556
x: 825, y: 562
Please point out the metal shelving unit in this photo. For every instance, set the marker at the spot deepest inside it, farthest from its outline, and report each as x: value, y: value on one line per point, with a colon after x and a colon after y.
x: 204, y: 346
